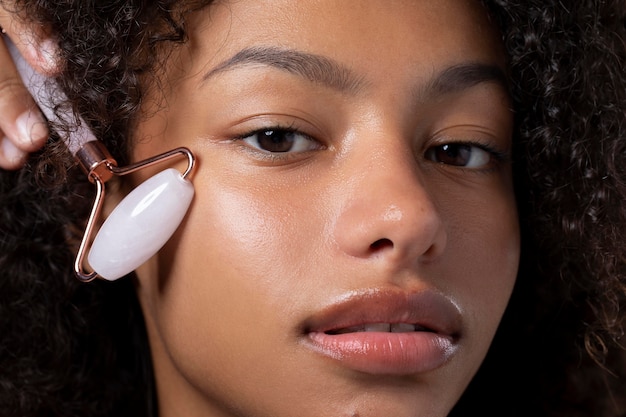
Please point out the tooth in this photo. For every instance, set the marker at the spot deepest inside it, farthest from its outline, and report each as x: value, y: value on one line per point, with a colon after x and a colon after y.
x: 380, y: 328
x: 402, y: 328
x: 377, y: 327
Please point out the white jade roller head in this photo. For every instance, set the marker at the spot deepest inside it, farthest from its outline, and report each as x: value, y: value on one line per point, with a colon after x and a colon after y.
x: 141, y: 224
x: 144, y: 220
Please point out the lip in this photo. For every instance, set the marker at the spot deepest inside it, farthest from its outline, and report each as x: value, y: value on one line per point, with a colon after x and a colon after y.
x: 385, y: 353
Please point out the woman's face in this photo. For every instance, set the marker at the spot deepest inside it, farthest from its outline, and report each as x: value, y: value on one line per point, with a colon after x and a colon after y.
x: 353, y: 240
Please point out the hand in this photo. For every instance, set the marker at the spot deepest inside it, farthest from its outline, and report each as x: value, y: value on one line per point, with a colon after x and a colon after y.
x: 23, y: 128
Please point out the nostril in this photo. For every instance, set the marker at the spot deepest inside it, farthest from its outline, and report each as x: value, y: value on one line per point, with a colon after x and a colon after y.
x: 381, y: 244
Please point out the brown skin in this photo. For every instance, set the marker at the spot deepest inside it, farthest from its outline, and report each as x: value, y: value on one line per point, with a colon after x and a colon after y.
x: 273, y: 239
x: 22, y: 126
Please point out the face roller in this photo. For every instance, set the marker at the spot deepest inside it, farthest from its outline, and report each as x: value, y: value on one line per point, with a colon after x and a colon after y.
x: 144, y: 220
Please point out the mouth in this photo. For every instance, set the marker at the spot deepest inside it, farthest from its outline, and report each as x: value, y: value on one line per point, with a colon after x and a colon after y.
x: 387, y: 332
x: 381, y: 328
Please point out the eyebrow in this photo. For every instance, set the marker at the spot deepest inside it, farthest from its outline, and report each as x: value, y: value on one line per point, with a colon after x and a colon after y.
x: 325, y: 71
x: 315, y: 68
x: 463, y: 76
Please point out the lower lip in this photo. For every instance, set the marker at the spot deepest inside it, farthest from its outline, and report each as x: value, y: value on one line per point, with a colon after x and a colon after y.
x: 379, y: 353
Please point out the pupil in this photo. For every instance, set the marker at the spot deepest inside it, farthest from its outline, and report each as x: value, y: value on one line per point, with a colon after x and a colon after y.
x: 276, y: 140
x: 458, y: 155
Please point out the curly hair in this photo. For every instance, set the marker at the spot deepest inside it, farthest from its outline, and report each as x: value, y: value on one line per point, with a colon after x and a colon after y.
x: 560, y: 338
x: 72, y: 349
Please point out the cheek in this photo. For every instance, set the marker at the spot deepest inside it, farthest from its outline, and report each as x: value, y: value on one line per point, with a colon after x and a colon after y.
x: 228, y: 287
x: 479, y: 269
x: 237, y: 257
x: 487, y: 252
x: 254, y: 232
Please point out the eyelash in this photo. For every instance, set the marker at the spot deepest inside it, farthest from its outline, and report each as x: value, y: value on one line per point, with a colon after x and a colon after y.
x: 497, y: 157
x: 274, y: 156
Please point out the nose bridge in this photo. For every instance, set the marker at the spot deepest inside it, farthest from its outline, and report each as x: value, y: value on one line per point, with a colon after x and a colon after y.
x: 389, y: 208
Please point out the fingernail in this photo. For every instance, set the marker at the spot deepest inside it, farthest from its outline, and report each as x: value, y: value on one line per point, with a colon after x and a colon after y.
x: 11, y: 153
x: 32, y: 129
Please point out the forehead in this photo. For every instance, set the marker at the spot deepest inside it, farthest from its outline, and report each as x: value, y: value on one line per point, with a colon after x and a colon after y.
x: 377, y: 35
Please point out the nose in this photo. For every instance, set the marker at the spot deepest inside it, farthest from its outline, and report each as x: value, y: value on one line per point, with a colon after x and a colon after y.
x: 388, y: 210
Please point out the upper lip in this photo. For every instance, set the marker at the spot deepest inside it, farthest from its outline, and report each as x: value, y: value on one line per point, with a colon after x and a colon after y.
x: 425, y: 308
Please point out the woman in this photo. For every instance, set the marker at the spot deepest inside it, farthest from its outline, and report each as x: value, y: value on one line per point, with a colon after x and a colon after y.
x: 354, y: 239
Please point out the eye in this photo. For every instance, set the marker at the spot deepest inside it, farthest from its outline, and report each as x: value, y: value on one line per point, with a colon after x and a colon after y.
x: 280, y: 140
x: 460, y: 155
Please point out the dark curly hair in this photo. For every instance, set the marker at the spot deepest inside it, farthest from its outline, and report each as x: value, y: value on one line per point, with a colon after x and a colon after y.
x: 72, y: 349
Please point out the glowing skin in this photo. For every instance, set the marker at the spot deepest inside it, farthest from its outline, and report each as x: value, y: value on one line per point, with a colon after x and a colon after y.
x: 393, y: 208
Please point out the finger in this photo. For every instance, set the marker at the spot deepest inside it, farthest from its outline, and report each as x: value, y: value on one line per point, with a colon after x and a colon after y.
x: 11, y: 157
x: 20, y: 119
x: 33, y: 41
x: 22, y: 126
